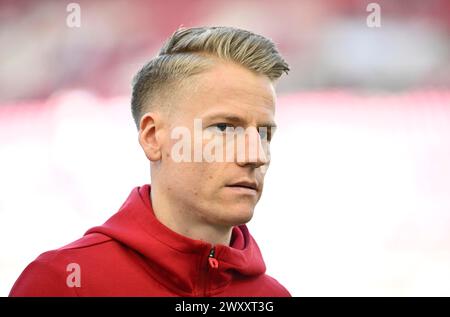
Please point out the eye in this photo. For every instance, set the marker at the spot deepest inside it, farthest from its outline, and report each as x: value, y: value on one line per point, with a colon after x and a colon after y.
x: 222, y: 127
x: 265, y: 133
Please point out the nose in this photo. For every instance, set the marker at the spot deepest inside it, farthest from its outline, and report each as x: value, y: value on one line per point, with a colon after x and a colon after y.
x: 252, y: 150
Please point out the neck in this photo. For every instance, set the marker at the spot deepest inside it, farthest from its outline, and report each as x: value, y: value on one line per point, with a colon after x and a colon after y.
x: 187, y: 223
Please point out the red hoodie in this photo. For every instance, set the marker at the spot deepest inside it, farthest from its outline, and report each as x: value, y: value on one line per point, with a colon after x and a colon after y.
x: 133, y: 254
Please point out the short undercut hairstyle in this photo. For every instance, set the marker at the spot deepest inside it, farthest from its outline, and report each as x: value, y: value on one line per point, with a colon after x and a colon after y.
x: 188, y: 52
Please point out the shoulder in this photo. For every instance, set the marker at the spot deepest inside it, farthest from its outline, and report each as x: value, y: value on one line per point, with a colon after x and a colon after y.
x: 88, y: 241
x: 91, y: 246
x: 47, y: 274
x: 275, y: 288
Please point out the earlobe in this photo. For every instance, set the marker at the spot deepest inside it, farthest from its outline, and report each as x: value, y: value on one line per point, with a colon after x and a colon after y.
x: 148, y: 131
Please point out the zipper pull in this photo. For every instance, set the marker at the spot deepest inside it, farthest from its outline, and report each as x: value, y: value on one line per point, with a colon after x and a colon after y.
x: 213, y: 263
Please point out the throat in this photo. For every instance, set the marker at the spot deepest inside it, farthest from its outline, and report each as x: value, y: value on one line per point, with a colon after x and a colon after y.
x: 189, y: 225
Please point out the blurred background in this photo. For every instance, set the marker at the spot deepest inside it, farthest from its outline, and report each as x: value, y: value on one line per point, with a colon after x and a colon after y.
x: 357, y: 199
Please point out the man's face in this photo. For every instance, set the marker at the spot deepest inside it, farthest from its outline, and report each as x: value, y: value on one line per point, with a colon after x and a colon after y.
x: 220, y: 192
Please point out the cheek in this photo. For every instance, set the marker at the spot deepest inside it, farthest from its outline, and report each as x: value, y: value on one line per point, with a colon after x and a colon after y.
x: 200, y: 176
x: 215, y: 176
x: 209, y: 177
x: 179, y: 174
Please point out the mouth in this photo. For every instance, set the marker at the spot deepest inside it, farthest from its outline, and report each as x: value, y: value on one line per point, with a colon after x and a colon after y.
x: 245, y: 187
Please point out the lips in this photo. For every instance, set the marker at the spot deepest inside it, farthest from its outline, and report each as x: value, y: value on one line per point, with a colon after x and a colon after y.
x: 245, y: 184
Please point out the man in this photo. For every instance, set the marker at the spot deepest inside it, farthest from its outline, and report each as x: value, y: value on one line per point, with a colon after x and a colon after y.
x: 205, y: 109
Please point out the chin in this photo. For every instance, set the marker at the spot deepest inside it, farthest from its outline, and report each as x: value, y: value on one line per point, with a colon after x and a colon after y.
x: 237, y: 216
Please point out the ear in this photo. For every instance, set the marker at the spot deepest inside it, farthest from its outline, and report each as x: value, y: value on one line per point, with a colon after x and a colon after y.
x: 149, y: 130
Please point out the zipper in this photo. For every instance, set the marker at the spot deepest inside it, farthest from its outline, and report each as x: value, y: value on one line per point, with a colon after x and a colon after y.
x: 211, y: 267
x: 213, y: 263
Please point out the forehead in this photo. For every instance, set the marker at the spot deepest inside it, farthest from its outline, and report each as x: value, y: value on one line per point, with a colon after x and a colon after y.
x: 231, y: 88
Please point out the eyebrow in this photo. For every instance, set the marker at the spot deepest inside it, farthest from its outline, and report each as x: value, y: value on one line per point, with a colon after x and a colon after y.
x: 236, y: 119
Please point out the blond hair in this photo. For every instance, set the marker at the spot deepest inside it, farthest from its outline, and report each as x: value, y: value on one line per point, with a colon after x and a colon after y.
x: 187, y: 52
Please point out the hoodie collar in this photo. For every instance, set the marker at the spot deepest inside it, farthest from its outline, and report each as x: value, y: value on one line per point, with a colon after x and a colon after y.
x: 180, y: 263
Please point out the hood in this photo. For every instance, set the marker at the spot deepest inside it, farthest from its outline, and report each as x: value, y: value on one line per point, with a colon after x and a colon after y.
x: 179, y: 263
